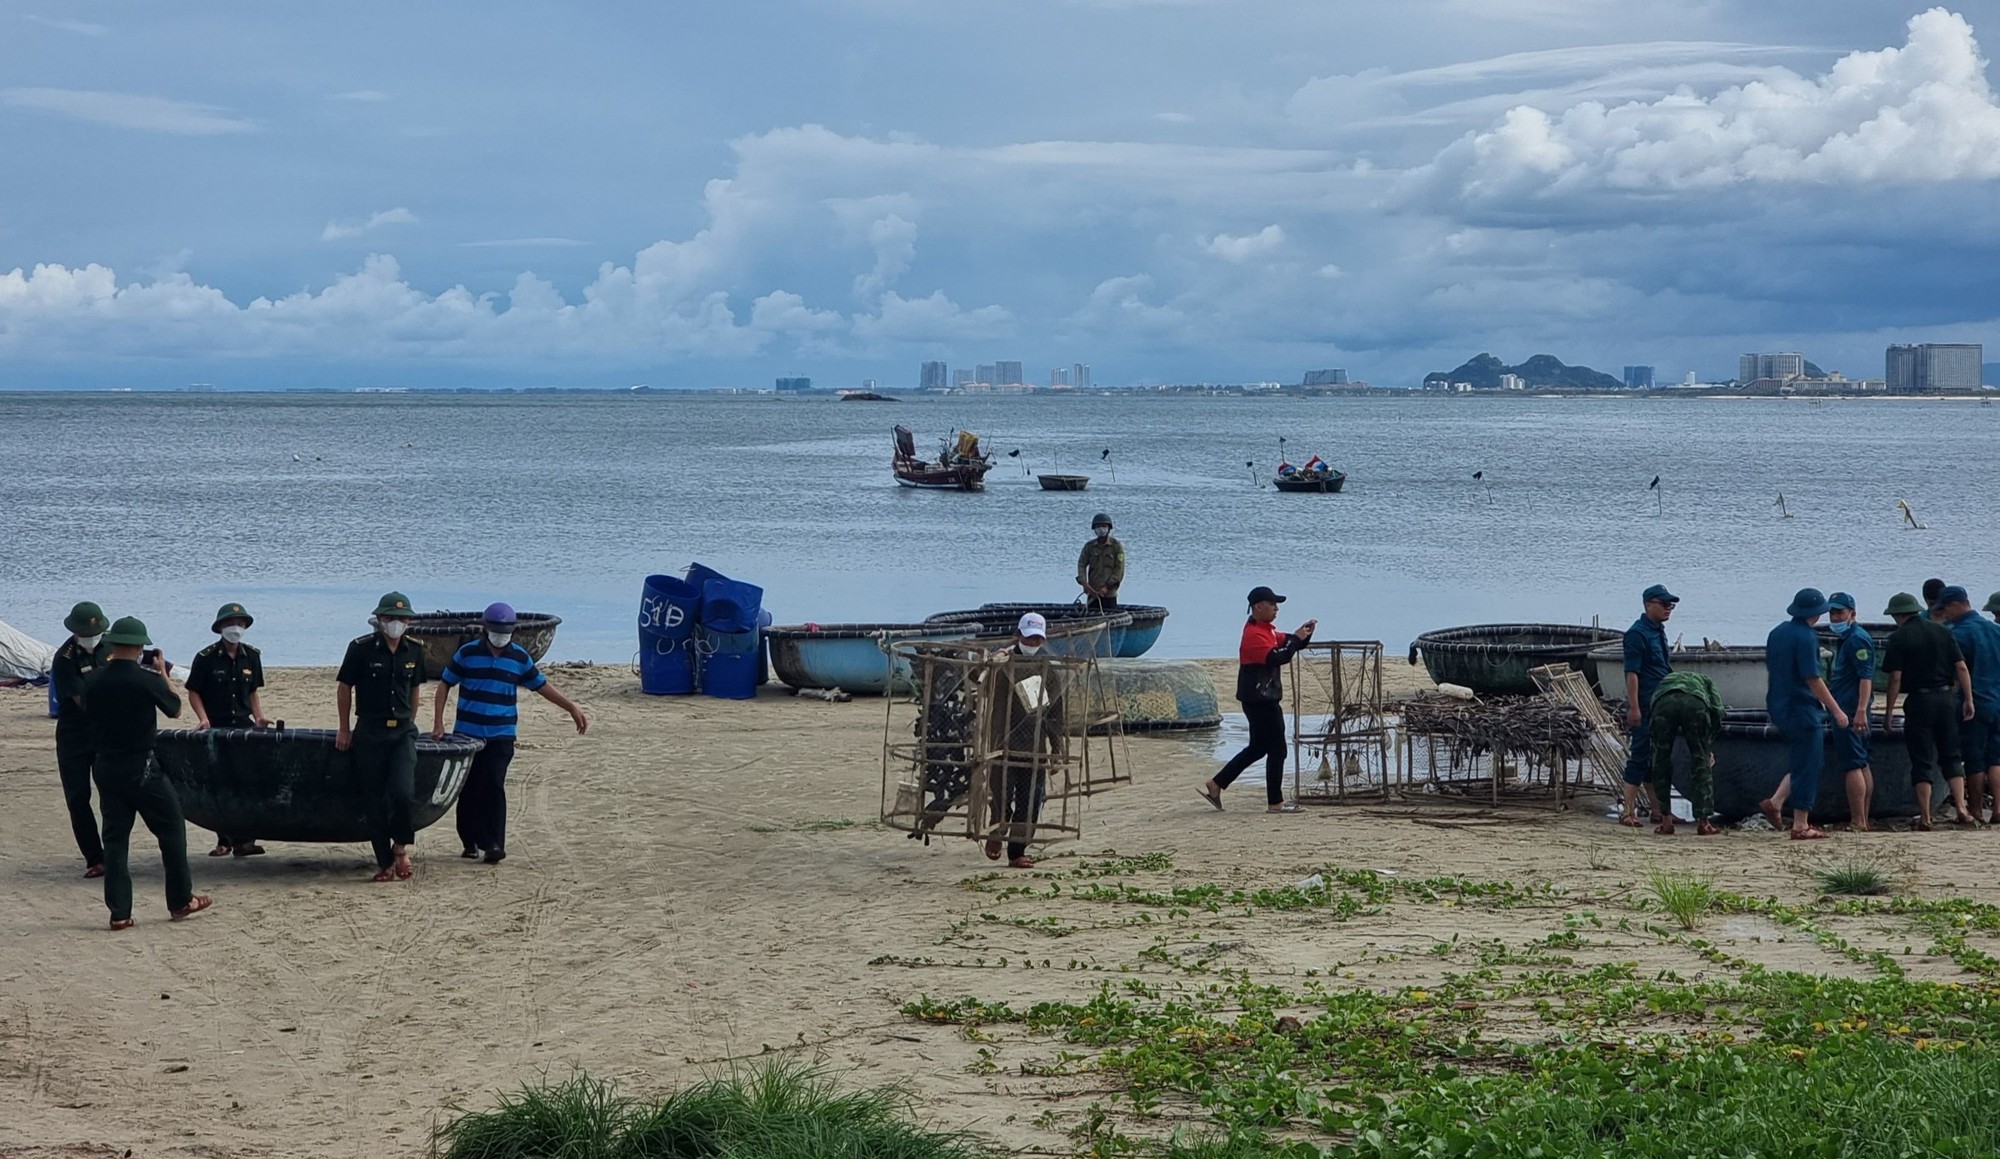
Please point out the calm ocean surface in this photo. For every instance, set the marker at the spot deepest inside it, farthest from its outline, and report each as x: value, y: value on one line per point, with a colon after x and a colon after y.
x: 165, y: 506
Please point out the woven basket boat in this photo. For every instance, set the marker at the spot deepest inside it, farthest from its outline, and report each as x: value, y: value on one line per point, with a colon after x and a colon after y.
x: 442, y: 633
x: 293, y: 785
x: 1494, y: 659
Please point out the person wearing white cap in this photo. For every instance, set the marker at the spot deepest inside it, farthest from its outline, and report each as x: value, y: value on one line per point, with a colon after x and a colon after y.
x: 1028, y: 726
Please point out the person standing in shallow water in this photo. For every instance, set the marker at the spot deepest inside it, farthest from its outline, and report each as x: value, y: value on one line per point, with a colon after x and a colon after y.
x: 490, y: 671
x: 84, y: 653
x: 222, y: 686
x: 1100, y: 566
x: 379, y: 688
x: 122, y: 701
x: 1260, y: 688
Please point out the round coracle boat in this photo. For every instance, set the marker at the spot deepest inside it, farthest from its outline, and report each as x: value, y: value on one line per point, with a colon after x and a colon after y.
x: 1159, y: 695
x: 1737, y: 670
x: 1751, y: 757
x: 1074, y: 633
x: 1494, y: 659
x: 1129, y: 641
x: 854, y: 658
x: 442, y: 633
x: 293, y: 785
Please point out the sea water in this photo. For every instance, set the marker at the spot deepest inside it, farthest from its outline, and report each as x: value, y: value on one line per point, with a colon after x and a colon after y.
x: 306, y: 507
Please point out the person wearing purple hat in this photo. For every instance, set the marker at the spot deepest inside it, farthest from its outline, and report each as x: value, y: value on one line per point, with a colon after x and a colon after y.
x: 489, y: 673
x: 1799, y: 703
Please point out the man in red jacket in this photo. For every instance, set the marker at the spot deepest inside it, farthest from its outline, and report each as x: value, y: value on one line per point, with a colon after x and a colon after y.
x: 1260, y: 688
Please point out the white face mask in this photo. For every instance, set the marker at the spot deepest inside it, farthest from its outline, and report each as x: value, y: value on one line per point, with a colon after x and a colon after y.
x: 1102, y: 532
x: 233, y: 633
x: 1030, y: 649
x: 90, y: 643
x: 393, y: 629
x: 499, y: 639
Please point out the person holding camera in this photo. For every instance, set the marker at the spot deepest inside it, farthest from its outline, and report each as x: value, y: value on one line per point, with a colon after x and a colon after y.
x: 1260, y: 688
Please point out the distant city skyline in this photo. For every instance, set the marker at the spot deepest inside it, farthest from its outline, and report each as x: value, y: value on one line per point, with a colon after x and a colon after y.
x: 1174, y: 190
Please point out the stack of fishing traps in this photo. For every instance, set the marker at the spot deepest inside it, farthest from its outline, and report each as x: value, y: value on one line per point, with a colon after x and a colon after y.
x: 1340, y: 724
x: 997, y: 746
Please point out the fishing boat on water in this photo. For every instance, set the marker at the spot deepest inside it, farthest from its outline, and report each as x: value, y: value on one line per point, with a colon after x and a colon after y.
x: 1063, y: 482
x: 960, y: 466
x: 1316, y: 475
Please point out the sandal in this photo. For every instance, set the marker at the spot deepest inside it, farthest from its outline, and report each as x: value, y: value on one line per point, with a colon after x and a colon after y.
x: 1022, y: 863
x: 1707, y: 829
x: 1214, y: 799
x: 1769, y: 808
x: 1924, y: 826
x: 1809, y: 833
x: 219, y: 851
x: 384, y: 874
x: 248, y: 849
x: 1665, y: 828
x: 195, y: 905
x: 121, y: 923
x: 96, y: 870
x: 469, y: 853
x: 1285, y: 807
x: 993, y: 850
x: 1629, y: 820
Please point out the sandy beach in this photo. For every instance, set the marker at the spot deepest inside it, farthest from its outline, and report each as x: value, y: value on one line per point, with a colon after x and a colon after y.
x: 693, y: 882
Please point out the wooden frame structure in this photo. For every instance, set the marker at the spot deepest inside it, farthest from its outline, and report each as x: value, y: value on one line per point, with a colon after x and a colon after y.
x: 1340, y: 724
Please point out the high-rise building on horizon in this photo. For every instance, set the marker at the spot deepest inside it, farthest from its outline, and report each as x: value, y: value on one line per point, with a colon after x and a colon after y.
x: 1058, y: 377
x: 791, y: 385
x: 1079, y: 375
x: 964, y: 377
x: 1333, y: 377
x: 1781, y: 367
x: 933, y: 376
x: 1933, y: 367
x: 1006, y: 374
x: 987, y: 373
x: 1639, y: 378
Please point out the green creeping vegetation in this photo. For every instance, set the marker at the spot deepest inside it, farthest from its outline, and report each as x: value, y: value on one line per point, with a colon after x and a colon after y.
x: 777, y: 1111
x: 1530, y: 1054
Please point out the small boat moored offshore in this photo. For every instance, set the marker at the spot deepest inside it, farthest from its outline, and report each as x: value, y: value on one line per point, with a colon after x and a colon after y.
x: 293, y: 784
x: 1133, y: 640
x: 1316, y: 475
x: 1063, y: 482
x: 442, y: 633
x: 855, y: 658
x: 1494, y: 659
x: 961, y: 466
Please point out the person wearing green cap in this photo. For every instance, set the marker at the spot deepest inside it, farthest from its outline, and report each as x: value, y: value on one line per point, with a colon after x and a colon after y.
x: 379, y: 690
x: 82, y: 654
x: 222, y: 686
x: 121, y: 703
x: 1992, y: 606
x: 1100, y: 567
x: 1923, y: 659
x: 79, y: 656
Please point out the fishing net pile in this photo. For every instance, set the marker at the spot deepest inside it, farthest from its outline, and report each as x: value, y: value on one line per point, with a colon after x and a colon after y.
x: 1500, y: 724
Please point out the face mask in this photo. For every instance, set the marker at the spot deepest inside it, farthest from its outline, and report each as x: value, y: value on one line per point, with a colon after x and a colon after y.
x: 393, y: 629
x: 499, y: 639
x: 1030, y: 649
x: 233, y: 634
x: 1843, y: 627
x: 90, y: 643
x: 1102, y: 532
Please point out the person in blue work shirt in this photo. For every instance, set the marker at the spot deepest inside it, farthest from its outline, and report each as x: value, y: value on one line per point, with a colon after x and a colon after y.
x: 1646, y: 664
x: 1800, y: 702
x: 1853, y: 687
x: 1978, y: 738
x: 489, y: 672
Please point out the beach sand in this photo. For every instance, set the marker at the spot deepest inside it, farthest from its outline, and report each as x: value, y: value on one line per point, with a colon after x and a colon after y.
x: 694, y: 881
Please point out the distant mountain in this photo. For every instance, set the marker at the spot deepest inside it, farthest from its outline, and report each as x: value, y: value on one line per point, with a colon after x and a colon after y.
x: 1484, y: 372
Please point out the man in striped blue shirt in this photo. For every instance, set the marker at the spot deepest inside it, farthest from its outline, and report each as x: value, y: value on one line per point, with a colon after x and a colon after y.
x: 489, y: 674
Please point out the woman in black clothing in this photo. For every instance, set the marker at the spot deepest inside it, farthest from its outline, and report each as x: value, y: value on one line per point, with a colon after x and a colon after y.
x: 1260, y: 688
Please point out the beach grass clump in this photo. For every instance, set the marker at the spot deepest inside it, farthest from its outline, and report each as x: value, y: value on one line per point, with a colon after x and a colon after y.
x: 772, y: 1111
x: 1684, y: 896
x: 1857, y: 878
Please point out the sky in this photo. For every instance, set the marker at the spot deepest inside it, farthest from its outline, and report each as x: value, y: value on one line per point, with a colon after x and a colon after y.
x: 703, y: 194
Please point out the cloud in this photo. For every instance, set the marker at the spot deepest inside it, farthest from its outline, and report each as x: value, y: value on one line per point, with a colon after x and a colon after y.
x: 894, y: 241
x: 933, y: 319
x: 1241, y: 249
x: 783, y: 312
x: 340, y: 231
x: 1918, y: 114
x: 1172, y: 118
x: 127, y: 110
x: 80, y: 27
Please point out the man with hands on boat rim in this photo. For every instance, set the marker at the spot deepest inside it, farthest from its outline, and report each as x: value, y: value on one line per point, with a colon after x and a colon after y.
x: 1923, y: 659
x: 1799, y: 703
x: 1978, y: 737
x: 1100, y: 567
x: 379, y: 689
x: 1646, y: 664
x: 222, y: 687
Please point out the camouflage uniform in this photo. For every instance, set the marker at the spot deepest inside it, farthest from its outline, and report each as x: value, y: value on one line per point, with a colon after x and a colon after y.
x: 1102, y: 566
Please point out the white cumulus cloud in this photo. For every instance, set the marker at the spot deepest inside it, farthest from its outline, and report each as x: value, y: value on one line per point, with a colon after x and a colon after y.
x: 1920, y: 113
x: 1231, y: 248
x: 341, y: 230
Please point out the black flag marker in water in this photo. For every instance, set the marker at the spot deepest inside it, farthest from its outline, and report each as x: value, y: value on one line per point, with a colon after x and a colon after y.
x: 1659, y: 497
x: 1479, y: 474
x: 1106, y: 455
x: 1654, y: 485
x: 1015, y: 453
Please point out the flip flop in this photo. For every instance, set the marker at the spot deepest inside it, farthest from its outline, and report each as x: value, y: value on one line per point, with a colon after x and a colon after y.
x: 219, y: 851
x: 121, y: 923
x: 195, y: 905
x: 251, y: 850
x: 1022, y: 863
x: 95, y: 870
x: 1214, y: 799
x: 469, y: 853
x: 993, y: 850
x: 1286, y: 807
x: 1809, y: 833
x: 384, y: 874
x: 1923, y: 826
x: 1630, y: 821
x: 1769, y: 808
x: 1707, y: 829
x: 1664, y: 829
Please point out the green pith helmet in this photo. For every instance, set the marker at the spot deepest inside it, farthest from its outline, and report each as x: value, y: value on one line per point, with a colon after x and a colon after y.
x: 1992, y: 603
x: 1100, y: 520
x: 85, y: 619
x: 130, y: 630
x: 395, y: 605
x: 230, y: 612
x: 1904, y: 604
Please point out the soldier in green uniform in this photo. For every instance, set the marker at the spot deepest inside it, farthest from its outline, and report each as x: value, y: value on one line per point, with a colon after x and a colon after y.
x: 222, y: 685
x: 1686, y: 705
x: 83, y: 653
x: 121, y: 703
x: 379, y: 689
x: 1100, y: 568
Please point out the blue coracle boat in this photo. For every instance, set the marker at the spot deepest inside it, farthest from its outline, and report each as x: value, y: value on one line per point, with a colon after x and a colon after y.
x: 851, y: 657
x: 1132, y: 640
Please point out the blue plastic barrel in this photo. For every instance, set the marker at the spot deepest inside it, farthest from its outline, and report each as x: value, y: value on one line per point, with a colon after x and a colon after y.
x: 730, y: 606
x: 698, y: 575
x: 666, y: 636
x: 730, y: 662
x: 53, y: 702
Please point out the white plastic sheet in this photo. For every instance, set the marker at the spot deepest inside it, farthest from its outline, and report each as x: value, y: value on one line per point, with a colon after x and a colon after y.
x: 22, y: 656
